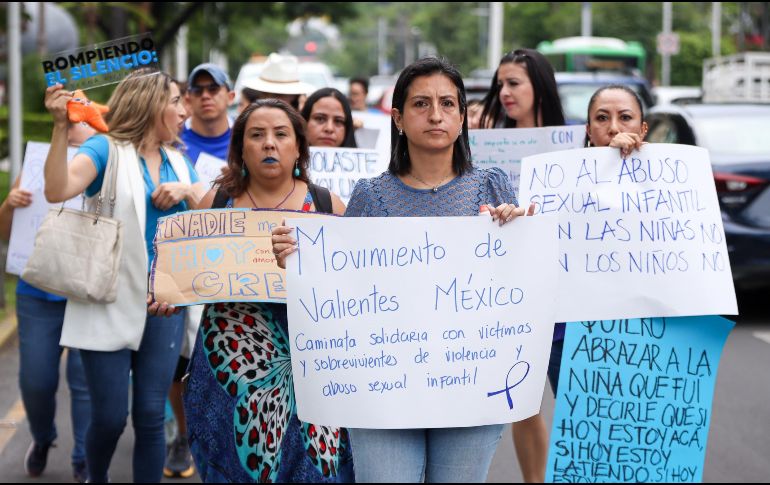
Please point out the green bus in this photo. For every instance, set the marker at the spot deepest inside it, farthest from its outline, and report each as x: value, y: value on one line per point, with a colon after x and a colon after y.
x: 586, y: 54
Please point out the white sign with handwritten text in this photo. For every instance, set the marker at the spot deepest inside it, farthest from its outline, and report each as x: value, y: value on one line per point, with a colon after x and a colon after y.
x: 637, y: 237
x: 504, y: 148
x: 338, y: 169
x: 209, y: 168
x: 420, y: 322
x: 27, y: 220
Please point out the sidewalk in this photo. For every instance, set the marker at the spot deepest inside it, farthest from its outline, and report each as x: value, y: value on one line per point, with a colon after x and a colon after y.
x: 8, y: 326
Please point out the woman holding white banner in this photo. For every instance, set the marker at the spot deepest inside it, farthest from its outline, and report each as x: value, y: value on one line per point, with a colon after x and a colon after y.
x: 132, y: 337
x: 430, y: 174
x: 329, y: 120
x: 524, y: 95
x: 239, y: 403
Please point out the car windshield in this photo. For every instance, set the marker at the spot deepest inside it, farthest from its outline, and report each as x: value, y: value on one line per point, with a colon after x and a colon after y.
x: 732, y: 135
x: 575, y: 98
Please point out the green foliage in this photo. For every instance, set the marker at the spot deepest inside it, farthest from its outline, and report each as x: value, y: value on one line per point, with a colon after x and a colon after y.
x: 687, y: 66
x: 35, y: 127
x: 529, y: 23
x: 456, y: 37
x: 33, y: 84
x: 358, y: 54
x: 250, y: 31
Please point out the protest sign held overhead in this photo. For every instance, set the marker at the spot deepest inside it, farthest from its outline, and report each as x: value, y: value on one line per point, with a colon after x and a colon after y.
x: 100, y: 64
x: 637, y: 236
x: 218, y: 255
x: 420, y: 322
x: 635, y: 399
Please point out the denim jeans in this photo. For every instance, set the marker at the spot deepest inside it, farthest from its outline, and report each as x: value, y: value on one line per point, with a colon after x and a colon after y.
x: 441, y: 455
x: 40, y: 325
x: 151, y: 369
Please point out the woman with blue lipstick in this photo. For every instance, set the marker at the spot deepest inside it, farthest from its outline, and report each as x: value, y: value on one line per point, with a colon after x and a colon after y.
x: 239, y: 402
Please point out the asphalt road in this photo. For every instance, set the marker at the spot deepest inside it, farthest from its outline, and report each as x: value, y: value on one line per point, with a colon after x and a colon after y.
x: 738, y: 444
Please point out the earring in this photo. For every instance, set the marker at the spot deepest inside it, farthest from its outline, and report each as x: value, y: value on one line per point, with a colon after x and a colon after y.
x: 296, y: 168
x: 244, y: 173
x: 400, y: 132
x: 460, y: 133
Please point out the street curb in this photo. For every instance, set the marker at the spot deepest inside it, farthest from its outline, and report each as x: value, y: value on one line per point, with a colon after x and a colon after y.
x: 8, y: 328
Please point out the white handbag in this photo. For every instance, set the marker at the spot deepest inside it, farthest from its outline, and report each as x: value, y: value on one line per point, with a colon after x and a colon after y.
x: 77, y: 253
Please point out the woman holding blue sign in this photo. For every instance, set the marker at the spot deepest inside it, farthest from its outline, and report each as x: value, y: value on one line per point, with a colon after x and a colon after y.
x: 129, y: 337
x: 239, y: 401
x: 524, y: 95
x: 430, y: 174
x: 329, y: 120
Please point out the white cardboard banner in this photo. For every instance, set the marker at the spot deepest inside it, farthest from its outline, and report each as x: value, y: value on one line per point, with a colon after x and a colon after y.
x: 504, y: 148
x: 379, y: 122
x: 420, y: 322
x: 338, y: 169
x: 637, y: 237
x: 209, y: 168
x: 27, y: 220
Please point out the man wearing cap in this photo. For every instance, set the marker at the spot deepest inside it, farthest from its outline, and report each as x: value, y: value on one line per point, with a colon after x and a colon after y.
x: 209, y: 93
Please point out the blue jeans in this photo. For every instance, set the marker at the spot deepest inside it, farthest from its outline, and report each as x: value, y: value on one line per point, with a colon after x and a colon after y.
x: 441, y: 455
x: 40, y: 325
x: 151, y: 369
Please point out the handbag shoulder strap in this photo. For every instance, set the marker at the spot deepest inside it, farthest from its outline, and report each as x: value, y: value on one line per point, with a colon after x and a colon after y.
x: 220, y: 199
x: 108, y: 190
x: 322, y: 198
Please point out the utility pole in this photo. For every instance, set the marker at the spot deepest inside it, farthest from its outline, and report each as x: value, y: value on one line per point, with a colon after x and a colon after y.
x: 382, y: 46
x: 181, y: 53
x: 716, y: 29
x: 586, y: 29
x: 14, y: 87
x: 495, y: 51
x: 666, y: 57
x: 41, y: 34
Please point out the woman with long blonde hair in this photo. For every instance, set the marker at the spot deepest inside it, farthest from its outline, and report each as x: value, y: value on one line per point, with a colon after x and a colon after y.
x: 131, y: 335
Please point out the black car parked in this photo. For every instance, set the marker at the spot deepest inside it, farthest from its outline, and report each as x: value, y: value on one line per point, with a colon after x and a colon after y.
x: 738, y: 139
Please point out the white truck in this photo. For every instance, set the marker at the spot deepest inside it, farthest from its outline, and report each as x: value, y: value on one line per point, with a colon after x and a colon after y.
x: 739, y: 78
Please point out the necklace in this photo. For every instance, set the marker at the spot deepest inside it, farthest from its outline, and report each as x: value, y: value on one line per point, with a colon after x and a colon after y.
x: 433, y: 187
x: 294, y: 186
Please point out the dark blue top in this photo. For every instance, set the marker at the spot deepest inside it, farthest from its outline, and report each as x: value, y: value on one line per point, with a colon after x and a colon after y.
x: 24, y: 288
x: 195, y: 144
x: 97, y: 149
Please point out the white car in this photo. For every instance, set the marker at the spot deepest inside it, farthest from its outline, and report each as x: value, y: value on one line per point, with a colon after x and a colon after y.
x: 665, y: 95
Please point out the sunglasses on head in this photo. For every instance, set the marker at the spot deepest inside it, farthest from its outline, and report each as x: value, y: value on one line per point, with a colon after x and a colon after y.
x: 196, y: 91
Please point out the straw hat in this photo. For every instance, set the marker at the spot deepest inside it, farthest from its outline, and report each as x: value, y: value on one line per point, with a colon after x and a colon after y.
x: 280, y: 75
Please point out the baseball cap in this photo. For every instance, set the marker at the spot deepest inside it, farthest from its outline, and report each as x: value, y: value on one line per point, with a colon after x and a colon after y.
x: 217, y: 74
